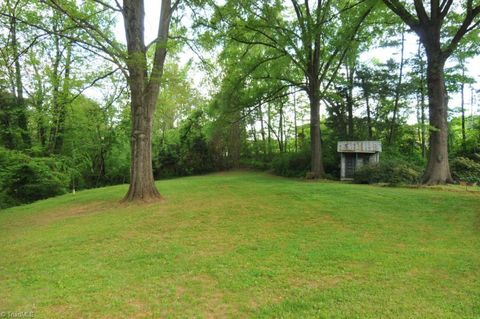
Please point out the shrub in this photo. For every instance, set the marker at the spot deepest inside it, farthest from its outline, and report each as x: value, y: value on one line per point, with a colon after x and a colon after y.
x: 292, y: 164
x: 261, y: 165
x: 465, y: 169
x: 24, y: 179
x: 391, y: 172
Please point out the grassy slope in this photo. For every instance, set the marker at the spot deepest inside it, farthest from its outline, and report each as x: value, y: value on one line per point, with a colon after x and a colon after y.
x: 242, y: 245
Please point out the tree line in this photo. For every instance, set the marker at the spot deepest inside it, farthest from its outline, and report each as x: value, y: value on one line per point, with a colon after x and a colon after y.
x: 270, y: 66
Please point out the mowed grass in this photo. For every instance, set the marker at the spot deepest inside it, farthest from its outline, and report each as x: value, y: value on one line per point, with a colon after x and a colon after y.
x: 245, y: 244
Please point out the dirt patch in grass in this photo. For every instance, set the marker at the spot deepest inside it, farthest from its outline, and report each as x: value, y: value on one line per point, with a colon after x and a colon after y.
x: 70, y: 212
x: 476, y: 223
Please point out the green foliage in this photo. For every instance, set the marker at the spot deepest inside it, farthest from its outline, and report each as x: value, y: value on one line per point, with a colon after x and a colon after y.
x: 24, y: 179
x: 390, y: 172
x: 11, y: 114
x: 292, y: 164
x: 465, y: 170
x: 187, y: 150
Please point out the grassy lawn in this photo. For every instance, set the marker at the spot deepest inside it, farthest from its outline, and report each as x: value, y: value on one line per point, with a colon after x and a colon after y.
x: 245, y: 244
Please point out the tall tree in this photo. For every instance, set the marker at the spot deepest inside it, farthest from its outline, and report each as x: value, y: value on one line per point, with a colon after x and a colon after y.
x: 143, y: 70
x: 310, y: 35
x: 144, y: 90
x: 12, y: 53
x: 431, y: 27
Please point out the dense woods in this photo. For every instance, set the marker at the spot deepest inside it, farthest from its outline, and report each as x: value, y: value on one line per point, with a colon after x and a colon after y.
x: 87, y: 99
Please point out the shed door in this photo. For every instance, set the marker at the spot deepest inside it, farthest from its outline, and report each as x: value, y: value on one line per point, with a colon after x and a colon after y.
x: 349, y: 165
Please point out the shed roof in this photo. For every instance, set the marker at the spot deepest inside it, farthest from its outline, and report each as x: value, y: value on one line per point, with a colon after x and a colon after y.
x: 359, y: 147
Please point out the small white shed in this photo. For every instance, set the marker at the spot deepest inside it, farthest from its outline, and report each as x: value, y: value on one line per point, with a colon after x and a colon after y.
x: 355, y: 154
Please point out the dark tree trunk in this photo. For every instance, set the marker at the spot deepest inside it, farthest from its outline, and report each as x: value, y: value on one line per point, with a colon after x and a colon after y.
x: 369, y: 116
x: 438, y: 170
x: 144, y: 90
x: 295, y: 125
x: 280, y: 130
x: 62, y: 100
x: 317, y: 169
x: 398, y: 90
x: 422, y: 106
x: 142, y: 184
x: 262, y: 130
x: 269, y: 127
x: 349, y: 100
x: 22, y: 116
x: 464, y: 137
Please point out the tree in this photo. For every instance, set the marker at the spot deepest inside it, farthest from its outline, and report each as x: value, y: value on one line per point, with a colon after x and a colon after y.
x: 143, y: 70
x: 11, y: 52
x: 144, y: 90
x: 313, y: 39
x: 430, y: 27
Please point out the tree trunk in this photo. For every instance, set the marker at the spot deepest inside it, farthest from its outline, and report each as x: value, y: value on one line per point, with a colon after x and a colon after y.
x: 269, y: 133
x: 369, y: 116
x: 398, y: 90
x: 317, y: 170
x: 280, y: 130
x: 142, y: 184
x: 464, y: 137
x: 349, y: 100
x: 422, y: 106
x: 438, y: 170
x: 22, y: 116
x: 144, y: 94
x: 295, y: 121
x: 61, y: 103
x: 262, y: 130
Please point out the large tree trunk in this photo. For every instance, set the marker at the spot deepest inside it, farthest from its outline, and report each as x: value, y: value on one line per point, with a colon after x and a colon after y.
x: 438, y: 170
x: 142, y: 184
x: 144, y: 93
x: 317, y: 170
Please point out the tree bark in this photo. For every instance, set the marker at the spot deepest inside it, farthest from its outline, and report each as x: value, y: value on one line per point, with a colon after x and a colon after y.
x: 464, y: 137
x: 22, y: 117
x: 269, y: 127
x: 349, y: 99
x: 398, y: 90
x: 422, y: 104
x: 280, y: 130
x: 369, y: 116
x: 61, y: 103
x: 317, y: 170
x: 438, y: 170
x: 144, y: 91
x: 295, y: 125
x: 262, y: 130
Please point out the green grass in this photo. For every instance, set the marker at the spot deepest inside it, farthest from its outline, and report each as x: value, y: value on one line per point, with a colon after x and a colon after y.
x: 245, y: 245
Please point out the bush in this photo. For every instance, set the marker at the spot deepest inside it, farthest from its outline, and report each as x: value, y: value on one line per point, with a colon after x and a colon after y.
x: 292, y: 164
x: 24, y: 179
x: 261, y: 165
x: 392, y: 172
x: 465, y: 169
